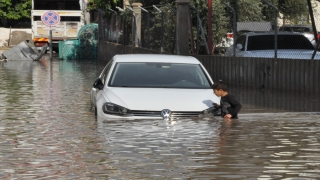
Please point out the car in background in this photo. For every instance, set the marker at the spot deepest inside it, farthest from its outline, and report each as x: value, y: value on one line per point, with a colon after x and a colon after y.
x: 242, y: 27
x: 306, y: 30
x: 225, y: 43
x: 290, y: 45
x: 150, y: 86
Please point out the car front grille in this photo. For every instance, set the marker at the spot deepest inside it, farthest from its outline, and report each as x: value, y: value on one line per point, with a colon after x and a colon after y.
x: 175, y: 114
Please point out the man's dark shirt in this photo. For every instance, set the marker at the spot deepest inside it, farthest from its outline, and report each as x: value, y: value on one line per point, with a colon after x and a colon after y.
x: 229, y: 105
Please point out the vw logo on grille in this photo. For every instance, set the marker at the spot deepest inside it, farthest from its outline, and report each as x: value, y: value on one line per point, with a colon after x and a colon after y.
x: 166, y: 114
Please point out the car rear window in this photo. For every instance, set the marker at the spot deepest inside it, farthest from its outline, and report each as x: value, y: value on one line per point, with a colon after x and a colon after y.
x: 266, y: 42
x: 159, y: 75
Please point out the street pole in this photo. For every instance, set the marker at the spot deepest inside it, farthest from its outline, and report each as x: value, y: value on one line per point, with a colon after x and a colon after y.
x: 210, y: 26
x: 315, y: 32
x: 182, y: 34
x: 148, y: 26
x: 50, y: 32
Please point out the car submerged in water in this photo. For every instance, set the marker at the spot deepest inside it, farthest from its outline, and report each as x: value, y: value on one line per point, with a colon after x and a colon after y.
x: 290, y: 45
x: 141, y: 86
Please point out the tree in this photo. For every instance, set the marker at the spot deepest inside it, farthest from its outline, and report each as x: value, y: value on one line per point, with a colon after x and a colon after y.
x: 220, y: 22
x: 251, y: 10
x: 147, y: 3
x: 293, y: 10
x: 11, y: 10
x: 102, y: 4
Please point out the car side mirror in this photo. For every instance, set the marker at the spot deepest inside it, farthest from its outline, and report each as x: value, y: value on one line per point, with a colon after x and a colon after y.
x: 239, y: 46
x: 98, y: 84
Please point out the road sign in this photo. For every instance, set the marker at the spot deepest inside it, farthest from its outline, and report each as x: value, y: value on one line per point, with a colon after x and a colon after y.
x: 50, y: 18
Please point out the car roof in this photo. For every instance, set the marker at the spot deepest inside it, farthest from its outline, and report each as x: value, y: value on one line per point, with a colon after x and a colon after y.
x: 272, y: 33
x: 155, y: 58
x: 296, y: 25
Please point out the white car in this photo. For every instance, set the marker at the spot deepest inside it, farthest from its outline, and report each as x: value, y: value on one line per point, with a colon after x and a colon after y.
x: 242, y: 27
x: 149, y: 86
x: 289, y: 46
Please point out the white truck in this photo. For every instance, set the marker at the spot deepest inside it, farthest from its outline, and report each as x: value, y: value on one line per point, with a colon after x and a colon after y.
x: 72, y: 18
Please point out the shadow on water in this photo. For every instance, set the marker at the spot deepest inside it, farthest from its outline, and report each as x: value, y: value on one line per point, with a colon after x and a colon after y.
x: 48, y: 131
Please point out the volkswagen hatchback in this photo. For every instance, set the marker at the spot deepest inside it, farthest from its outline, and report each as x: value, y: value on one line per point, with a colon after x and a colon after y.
x: 149, y: 86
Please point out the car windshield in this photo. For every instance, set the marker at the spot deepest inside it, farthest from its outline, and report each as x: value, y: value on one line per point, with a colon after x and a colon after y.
x: 266, y: 42
x: 159, y: 75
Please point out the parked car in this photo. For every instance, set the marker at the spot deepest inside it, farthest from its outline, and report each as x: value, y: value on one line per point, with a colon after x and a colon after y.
x: 225, y: 43
x: 242, y: 27
x: 306, y: 30
x: 141, y: 86
x: 290, y: 45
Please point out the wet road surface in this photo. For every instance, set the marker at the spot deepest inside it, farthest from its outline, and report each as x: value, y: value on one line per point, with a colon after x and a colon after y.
x: 48, y: 132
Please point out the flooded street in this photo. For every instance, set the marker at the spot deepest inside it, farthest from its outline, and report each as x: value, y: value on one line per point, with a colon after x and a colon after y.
x: 48, y: 132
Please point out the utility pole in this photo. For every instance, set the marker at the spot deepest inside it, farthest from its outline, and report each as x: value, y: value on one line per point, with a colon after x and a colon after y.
x: 315, y: 32
x: 182, y: 34
x: 210, y: 26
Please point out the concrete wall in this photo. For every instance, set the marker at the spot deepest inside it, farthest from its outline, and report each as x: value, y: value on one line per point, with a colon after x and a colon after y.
x: 259, y: 73
x: 16, y: 36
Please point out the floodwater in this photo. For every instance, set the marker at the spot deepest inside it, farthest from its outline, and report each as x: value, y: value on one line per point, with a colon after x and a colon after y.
x: 48, y: 132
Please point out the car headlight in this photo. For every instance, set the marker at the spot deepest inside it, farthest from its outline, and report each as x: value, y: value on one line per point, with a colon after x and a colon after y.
x: 110, y: 108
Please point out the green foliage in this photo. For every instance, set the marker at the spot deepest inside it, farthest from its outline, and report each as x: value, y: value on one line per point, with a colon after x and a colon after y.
x: 220, y: 22
x: 146, y: 3
x: 222, y: 18
x: 293, y: 10
x: 162, y: 29
x: 101, y: 4
x: 251, y: 10
x: 15, y: 9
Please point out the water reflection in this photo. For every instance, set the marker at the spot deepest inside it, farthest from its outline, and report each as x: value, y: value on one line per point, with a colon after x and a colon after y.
x: 48, y: 132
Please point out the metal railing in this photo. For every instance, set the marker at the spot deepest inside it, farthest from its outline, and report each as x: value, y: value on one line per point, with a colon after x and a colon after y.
x: 158, y: 31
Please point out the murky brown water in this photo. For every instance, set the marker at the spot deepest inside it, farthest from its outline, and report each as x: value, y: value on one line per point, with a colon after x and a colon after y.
x: 47, y: 132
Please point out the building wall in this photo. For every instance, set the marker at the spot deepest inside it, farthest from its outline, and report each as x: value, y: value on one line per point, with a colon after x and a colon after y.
x: 12, y: 37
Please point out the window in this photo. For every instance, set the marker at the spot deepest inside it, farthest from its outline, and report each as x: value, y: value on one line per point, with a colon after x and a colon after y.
x: 266, y: 42
x: 57, y: 5
x: 105, y: 72
x: 241, y: 40
x: 159, y: 75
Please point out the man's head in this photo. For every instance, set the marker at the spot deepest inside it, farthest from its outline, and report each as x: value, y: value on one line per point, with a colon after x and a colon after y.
x: 220, y: 88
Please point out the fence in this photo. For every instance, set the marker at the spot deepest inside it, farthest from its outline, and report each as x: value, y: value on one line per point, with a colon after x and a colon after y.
x: 260, y: 73
x: 158, y: 27
x: 158, y: 36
